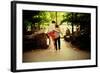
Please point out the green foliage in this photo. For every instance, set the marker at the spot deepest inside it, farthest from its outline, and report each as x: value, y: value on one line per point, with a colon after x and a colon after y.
x: 76, y: 18
x: 40, y: 18
x: 32, y: 18
x: 27, y: 23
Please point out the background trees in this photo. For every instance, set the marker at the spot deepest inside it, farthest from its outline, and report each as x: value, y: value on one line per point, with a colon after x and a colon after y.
x: 82, y: 36
x: 40, y: 19
x: 74, y: 19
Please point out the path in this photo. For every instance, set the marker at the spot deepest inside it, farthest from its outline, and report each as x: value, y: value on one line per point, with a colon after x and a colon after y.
x: 67, y: 52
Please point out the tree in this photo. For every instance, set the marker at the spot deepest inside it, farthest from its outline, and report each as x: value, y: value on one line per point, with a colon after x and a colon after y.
x: 35, y: 19
x: 70, y: 18
x: 82, y: 19
x: 27, y: 19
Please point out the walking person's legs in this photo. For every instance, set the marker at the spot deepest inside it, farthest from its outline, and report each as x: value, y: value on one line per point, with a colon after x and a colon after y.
x: 50, y: 43
x: 59, y: 43
x: 55, y: 43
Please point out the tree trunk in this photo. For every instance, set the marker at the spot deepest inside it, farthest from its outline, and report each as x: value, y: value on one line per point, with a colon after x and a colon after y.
x: 72, y: 24
x: 56, y: 17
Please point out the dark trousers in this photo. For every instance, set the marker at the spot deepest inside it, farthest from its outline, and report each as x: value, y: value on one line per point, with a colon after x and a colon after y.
x: 57, y: 43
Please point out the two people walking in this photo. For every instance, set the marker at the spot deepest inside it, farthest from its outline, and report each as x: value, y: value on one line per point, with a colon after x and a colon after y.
x: 54, y: 35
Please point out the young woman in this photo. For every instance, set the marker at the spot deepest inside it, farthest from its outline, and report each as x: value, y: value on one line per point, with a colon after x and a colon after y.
x: 51, y: 35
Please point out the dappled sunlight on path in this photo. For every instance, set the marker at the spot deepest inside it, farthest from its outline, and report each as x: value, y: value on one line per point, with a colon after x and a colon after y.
x: 67, y: 52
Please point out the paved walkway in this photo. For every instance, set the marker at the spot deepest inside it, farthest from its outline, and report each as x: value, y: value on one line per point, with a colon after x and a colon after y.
x: 67, y: 52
